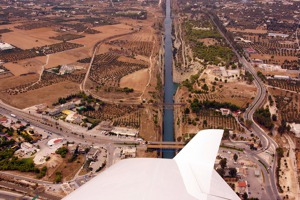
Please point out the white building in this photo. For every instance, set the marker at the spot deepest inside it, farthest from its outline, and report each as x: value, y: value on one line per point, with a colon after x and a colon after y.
x: 225, y: 111
x: 271, y: 68
x: 295, y: 128
x: 282, y: 77
x: 125, y: 131
x: 5, y: 46
x: 278, y: 35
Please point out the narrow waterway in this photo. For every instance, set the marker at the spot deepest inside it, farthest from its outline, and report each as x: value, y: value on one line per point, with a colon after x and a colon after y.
x: 169, y: 88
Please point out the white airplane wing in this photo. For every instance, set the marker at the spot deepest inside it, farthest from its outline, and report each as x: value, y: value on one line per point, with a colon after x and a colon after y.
x: 189, y: 176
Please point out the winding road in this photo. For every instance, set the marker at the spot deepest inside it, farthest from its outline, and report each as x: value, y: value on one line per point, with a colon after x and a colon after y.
x: 267, y: 142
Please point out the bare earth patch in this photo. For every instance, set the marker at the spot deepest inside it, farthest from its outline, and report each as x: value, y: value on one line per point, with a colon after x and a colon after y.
x: 257, y: 31
x: 17, y: 81
x: 47, y: 95
x: 137, y: 80
x: 26, y: 66
x: 27, y: 39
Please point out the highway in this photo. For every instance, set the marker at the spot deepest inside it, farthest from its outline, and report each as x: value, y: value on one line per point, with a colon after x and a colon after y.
x: 5, y: 195
x: 61, y: 130
x: 258, y: 101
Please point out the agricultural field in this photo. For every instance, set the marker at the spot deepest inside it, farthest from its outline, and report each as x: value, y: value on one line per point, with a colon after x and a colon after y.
x: 47, y: 94
x: 136, y: 47
x: 120, y: 115
x: 5, y: 30
x: 18, y: 54
x: 67, y: 37
x: 124, y: 74
x: 28, y: 39
x: 107, y: 70
x: 285, y: 84
x: 269, y: 49
x: 137, y: 80
x: 288, y: 105
x: 205, y: 119
x: 47, y: 79
x: 214, y: 120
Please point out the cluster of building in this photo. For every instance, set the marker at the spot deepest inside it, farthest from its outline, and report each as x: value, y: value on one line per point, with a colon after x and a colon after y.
x: 24, y: 149
x: 96, y: 157
x: 66, y: 109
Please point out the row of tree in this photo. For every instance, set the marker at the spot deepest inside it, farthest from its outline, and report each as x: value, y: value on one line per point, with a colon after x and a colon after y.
x: 197, y: 106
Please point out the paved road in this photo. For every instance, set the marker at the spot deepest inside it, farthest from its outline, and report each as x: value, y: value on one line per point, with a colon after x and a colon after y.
x: 5, y: 195
x: 28, y: 190
x: 64, y: 131
x: 271, y: 187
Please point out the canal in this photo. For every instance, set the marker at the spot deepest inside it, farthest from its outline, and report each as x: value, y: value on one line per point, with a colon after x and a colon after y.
x: 169, y: 87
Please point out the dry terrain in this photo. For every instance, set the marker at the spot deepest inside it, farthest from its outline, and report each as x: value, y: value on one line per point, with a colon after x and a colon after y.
x: 48, y: 95
x: 27, y: 39
x: 256, y: 31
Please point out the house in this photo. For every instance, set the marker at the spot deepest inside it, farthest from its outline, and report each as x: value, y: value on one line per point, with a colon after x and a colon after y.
x: 257, y: 173
x: 41, y: 108
x: 82, y: 148
x: 93, y: 154
x: 129, y: 152
x: 225, y: 111
x: 105, y: 126
x: 270, y: 67
x: 121, y: 131
x: 72, y: 148
x: 59, y: 108
x: 3, y: 119
x: 242, y: 186
x: 74, y: 118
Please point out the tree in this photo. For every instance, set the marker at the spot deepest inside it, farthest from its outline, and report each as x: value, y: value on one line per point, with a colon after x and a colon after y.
x: 205, y: 87
x: 58, y: 177
x: 62, y: 151
x: 225, y: 134
x: 232, y: 172
x: 221, y: 172
x: 245, y: 196
x: 274, y: 117
x: 249, y: 123
x: 223, y: 163
x: 233, y: 136
x: 235, y: 157
x: 279, y: 152
x: 187, y: 111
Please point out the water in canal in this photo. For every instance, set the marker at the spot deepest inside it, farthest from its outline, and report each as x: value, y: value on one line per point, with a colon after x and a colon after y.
x: 169, y: 87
